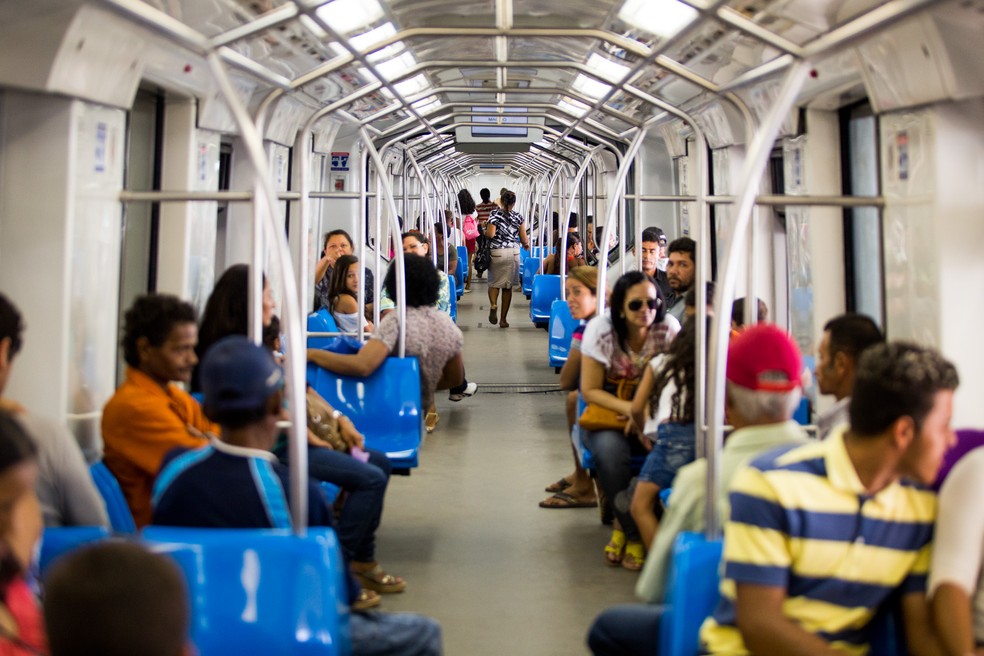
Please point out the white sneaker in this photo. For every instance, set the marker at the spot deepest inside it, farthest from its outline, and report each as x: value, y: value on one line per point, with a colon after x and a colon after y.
x: 469, y: 390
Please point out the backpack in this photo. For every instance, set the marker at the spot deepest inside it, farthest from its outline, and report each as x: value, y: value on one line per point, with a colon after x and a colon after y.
x: 469, y: 227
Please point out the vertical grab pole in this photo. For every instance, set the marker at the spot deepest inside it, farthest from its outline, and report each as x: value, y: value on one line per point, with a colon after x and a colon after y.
x: 362, y: 231
x: 427, y: 226
x: 724, y: 293
x: 623, y: 172
x: 295, y: 356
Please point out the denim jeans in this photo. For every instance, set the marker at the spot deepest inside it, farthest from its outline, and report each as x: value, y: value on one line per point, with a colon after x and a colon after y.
x: 627, y: 630
x: 612, y: 452
x: 366, y: 484
x: 674, y: 447
x: 394, y: 634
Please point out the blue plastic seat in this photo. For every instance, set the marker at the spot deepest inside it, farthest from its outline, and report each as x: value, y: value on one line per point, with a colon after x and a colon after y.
x: 57, y: 541
x: 562, y: 326
x: 322, y: 322
x: 523, y: 254
x: 261, y: 591
x: 546, y: 290
x: 459, y: 273
x: 120, y: 517
x: 330, y: 490
x: 453, y: 294
x: 385, y: 407
x: 530, y: 268
x: 691, y: 593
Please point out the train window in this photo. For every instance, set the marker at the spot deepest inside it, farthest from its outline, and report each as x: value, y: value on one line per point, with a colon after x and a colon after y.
x: 862, y: 225
x: 222, y: 208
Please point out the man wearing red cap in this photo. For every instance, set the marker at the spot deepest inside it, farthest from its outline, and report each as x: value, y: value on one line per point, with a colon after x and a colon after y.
x: 762, y: 356
x: 823, y: 535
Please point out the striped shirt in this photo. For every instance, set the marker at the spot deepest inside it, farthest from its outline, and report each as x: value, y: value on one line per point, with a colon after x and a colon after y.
x: 802, y: 520
x: 506, y: 228
x: 483, y: 210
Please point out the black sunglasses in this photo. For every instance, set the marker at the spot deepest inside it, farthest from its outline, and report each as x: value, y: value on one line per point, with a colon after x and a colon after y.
x: 636, y: 304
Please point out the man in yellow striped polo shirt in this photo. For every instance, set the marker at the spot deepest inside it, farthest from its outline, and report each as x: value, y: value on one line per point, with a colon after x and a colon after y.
x: 821, y: 535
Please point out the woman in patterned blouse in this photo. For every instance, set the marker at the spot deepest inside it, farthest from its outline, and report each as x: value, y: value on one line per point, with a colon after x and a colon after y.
x: 507, y: 231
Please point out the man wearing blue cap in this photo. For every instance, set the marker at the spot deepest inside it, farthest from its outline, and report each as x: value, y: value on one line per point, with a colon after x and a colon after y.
x: 236, y: 482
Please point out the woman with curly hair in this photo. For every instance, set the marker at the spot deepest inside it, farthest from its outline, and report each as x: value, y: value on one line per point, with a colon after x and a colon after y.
x: 665, y: 404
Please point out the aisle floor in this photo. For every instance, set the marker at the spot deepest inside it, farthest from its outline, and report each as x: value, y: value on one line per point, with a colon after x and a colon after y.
x: 501, y: 574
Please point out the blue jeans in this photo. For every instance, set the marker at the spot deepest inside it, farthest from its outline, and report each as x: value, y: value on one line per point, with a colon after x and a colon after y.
x: 673, y: 448
x: 394, y: 634
x: 612, y: 452
x: 366, y: 484
x: 627, y: 630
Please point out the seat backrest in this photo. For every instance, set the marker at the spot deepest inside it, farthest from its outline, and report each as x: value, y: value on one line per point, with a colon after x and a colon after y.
x: 385, y: 407
x: 691, y: 593
x: 546, y: 290
x: 322, y: 322
x: 453, y: 292
x: 530, y: 268
x: 562, y: 326
x: 459, y: 273
x: 263, y: 591
x: 120, y: 517
x: 57, y: 541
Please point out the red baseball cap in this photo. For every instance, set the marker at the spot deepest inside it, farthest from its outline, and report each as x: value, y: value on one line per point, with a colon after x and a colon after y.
x: 764, y: 358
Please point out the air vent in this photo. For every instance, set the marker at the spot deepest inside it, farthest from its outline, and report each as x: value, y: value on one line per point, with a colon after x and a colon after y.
x: 497, y: 167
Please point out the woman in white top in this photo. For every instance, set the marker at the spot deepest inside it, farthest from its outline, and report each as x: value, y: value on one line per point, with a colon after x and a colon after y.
x: 615, y: 351
x: 343, y: 295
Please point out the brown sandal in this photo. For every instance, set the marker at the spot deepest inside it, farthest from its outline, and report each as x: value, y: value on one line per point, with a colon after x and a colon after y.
x: 379, y: 581
x: 367, y: 599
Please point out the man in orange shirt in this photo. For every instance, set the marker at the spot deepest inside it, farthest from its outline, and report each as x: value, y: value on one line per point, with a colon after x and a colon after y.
x: 148, y: 416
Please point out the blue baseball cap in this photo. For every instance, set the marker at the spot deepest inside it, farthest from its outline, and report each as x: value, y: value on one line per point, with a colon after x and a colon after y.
x: 239, y: 375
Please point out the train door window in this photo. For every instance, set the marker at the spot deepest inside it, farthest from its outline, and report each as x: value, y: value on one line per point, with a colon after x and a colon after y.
x: 222, y: 208
x: 140, y: 220
x: 862, y: 225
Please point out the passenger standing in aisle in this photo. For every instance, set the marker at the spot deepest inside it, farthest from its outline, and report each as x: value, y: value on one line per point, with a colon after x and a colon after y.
x: 615, y: 350
x: 469, y: 229
x: 507, y: 231
x: 681, y: 272
x: 483, y: 210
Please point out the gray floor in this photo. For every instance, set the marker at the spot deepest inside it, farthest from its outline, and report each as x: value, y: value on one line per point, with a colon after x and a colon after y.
x: 501, y: 574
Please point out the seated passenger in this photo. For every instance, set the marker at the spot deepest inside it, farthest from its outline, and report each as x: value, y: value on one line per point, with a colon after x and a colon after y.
x: 148, y: 416
x: 575, y: 490
x: 821, y: 535
x: 235, y: 482
x: 844, y: 339
x: 551, y: 265
x: 665, y: 404
x: 439, y: 247
x: 416, y: 243
x: 364, y: 482
x: 66, y: 491
x: 762, y: 421
x: 653, y: 257
x: 116, y: 599
x: 21, y: 626
x: 681, y: 274
x: 336, y: 244
x: 431, y: 337
x: 615, y: 350
x: 343, y: 296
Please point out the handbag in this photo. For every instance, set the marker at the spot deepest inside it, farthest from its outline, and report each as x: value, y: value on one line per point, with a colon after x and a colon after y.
x: 599, y: 418
x: 483, y: 259
x: 322, y: 422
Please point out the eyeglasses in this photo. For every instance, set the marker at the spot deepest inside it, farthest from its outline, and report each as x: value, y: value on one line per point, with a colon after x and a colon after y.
x: 636, y: 304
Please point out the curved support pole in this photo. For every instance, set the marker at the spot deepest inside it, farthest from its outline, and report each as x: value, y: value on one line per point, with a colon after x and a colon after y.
x: 295, y: 356
x: 428, y: 226
x: 623, y: 172
x: 570, y: 208
x: 724, y: 293
x: 401, y: 272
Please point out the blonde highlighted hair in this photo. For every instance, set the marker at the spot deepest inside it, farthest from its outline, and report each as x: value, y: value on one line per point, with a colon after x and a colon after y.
x: 587, y: 276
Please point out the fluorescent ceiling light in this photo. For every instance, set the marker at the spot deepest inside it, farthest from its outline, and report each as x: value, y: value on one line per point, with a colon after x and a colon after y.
x: 392, y: 68
x: 363, y: 42
x: 408, y: 87
x: 346, y: 16
x: 590, y: 87
x: 663, y: 18
x: 572, y: 106
x: 313, y: 27
x: 606, y: 68
x: 426, y: 106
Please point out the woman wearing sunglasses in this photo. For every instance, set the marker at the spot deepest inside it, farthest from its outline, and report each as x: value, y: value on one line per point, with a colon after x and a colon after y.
x: 615, y: 351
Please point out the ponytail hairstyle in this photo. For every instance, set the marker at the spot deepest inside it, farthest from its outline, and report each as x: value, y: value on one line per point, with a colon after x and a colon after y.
x: 680, y: 368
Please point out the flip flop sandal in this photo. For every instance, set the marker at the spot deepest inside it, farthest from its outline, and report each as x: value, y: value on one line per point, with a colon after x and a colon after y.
x: 367, y: 599
x: 559, y: 486
x: 634, y: 557
x: 503, y: 324
x: 564, y: 500
x: 615, y: 549
x: 430, y: 421
x: 379, y: 581
x: 493, y: 319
